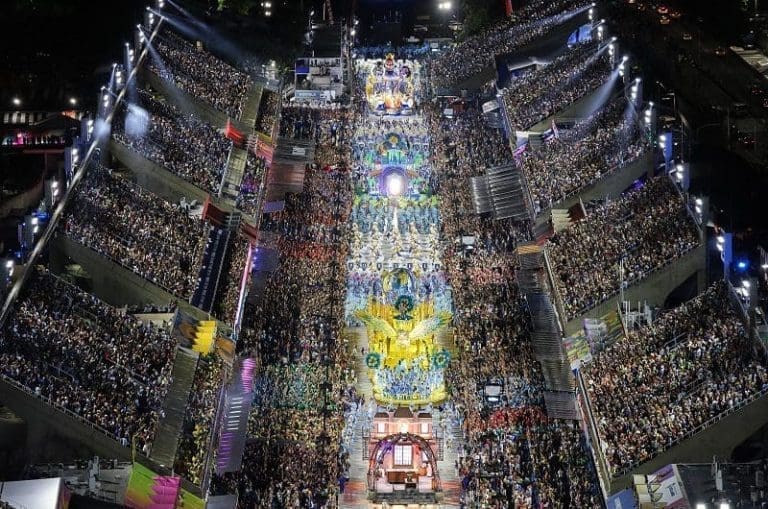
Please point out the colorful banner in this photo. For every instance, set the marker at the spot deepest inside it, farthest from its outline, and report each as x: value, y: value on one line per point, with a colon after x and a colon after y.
x: 147, y: 490
x: 577, y: 349
x: 234, y: 134
x: 190, y: 501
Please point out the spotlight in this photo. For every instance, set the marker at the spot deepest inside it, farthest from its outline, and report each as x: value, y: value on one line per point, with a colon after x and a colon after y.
x: 16, y: 101
x: 73, y: 101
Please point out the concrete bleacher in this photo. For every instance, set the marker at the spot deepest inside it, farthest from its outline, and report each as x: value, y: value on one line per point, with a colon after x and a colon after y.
x: 185, y: 101
x: 540, y: 48
x: 718, y: 437
x: 155, y: 177
x: 109, y: 281
x: 652, y: 289
x: 610, y: 185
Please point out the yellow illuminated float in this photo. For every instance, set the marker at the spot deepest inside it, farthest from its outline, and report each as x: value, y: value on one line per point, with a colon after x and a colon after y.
x: 405, y: 364
x: 389, y: 87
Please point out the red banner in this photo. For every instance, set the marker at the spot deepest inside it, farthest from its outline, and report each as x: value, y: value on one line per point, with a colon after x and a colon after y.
x: 233, y: 134
x: 508, y: 7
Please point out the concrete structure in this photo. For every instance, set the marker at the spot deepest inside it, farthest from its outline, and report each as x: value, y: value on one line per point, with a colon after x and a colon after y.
x: 653, y: 289
x: 185, y: 101
x: 55, y: 435
x: 717, y: 437
x: 610, y: 186
x: 154, y: 177
x: 110, y: 282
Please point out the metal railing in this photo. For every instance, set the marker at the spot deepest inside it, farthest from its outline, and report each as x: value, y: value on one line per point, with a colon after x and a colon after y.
x: 629, y: 283
x: 58, y: 211
x: 695, y: 431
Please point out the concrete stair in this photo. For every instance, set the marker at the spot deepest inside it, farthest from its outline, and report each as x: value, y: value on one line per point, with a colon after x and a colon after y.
x: 452, y: 445
x: 169, y: 429
x: 230, y: 188
x: 251, y: 106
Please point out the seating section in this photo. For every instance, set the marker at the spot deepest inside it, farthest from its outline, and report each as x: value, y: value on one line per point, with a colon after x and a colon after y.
x: 182, y: 144
x: 662, y: 383
x: 82, y: 356
x: 606, y: 142
x: 540, y: 94
x: 620, y: 242
x: 201, y: 74
x: 156, y: 239
x: 535, y: 20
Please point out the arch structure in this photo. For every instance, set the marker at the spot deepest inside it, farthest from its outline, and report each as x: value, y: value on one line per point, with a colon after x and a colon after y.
x: 387, y: 445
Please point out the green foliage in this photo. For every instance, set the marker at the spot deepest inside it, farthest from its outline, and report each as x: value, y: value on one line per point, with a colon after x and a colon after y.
x: 243, y: 7
x: 477, y: 15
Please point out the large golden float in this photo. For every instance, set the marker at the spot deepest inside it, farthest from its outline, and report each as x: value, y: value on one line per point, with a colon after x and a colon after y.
x: 401, y: 337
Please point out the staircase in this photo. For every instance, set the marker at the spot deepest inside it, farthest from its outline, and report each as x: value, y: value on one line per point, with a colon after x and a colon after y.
x: 251, y: 106
x: 233, y: 177
x: 501, y: 192
x: 546, y: 335
x: 452, y: 445
x: 169, y: 429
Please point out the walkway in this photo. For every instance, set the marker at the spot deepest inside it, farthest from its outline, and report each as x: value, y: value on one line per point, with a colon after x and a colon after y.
x: 169, y: 429
x: 395, y: 253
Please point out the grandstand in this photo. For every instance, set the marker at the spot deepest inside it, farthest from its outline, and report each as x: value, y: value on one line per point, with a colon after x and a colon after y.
x: 645, y: 244
x: 230, y: 284
x: 690, y: 385
x: 149, y: 235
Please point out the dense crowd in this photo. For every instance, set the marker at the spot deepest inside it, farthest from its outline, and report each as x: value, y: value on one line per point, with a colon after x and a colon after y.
x: 182, y: 144
x: 199, y: 419
x: 228, y: 299
x: 268, y: 111
x: 620, y: 243
x: 476, y: 54
x: 542, y: 93
x: 565, y: 474
x: 293, y: 456
x: 662, y: 382
x: 139, y: 230
x: 86, y: 357
x: 512, y: 455
x: 200, y: 74
x: 605, y: 142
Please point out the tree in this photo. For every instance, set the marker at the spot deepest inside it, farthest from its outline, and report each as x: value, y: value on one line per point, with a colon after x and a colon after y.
x: 243, y: 7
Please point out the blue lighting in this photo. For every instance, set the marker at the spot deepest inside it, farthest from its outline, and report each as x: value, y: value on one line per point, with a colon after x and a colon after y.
x: 742, y: 265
